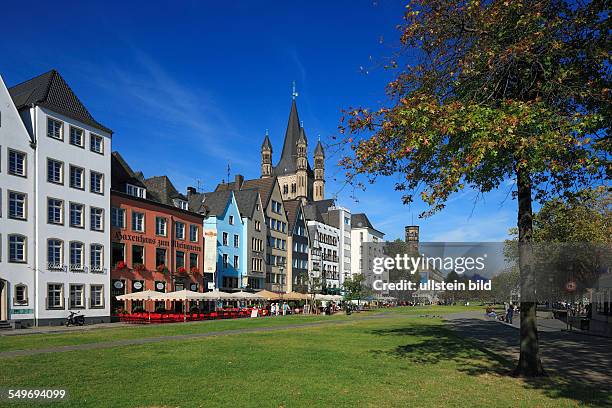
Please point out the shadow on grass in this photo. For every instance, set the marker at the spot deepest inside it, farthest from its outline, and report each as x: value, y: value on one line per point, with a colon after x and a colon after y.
x: 433, y: 344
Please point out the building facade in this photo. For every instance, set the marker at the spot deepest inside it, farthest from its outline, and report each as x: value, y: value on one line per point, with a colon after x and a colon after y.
x: 71, y: 185
x: 276, y: 227
x: 298, y: 244
x: 17, y: 215
x: 254, y: 233
x: 362, y: 231
x: 223, y: 223
x: 156, y: 245
x: 340, y: 217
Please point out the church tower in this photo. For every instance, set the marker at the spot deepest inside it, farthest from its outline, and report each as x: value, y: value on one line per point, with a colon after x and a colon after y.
x: 295, y: 176
x: 302, y: 167
x: 319, y: 173
x: 266, y: 157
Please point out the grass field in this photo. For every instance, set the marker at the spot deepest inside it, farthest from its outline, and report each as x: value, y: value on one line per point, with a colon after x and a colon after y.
x: 397, y: 361
x: 37, y: 341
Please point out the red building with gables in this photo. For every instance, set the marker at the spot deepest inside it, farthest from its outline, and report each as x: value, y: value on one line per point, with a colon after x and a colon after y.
x: 156, y: 243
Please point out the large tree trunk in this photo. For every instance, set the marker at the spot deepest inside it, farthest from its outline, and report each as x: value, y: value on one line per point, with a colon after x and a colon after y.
x: 529, y: 364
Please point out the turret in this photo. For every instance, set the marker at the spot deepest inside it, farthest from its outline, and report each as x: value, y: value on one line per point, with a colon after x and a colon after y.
x: 266, y: 157
x: 319, y: 172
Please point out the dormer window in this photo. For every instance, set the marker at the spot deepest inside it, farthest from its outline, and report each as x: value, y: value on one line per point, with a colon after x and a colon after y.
x: 135, y: 191
x: 182, y: 204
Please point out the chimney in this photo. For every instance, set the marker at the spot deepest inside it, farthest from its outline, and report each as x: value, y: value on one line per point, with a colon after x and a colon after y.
x: 190, y: 191
x: 238, y: 180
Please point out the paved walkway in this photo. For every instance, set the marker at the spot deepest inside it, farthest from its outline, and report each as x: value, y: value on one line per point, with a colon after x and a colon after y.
x: 573, y: 356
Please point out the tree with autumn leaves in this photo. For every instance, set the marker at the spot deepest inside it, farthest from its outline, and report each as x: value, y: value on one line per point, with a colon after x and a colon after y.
x: 487, y: 91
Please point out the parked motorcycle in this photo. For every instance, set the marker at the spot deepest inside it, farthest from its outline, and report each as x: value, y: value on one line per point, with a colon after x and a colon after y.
x: 75, y: 319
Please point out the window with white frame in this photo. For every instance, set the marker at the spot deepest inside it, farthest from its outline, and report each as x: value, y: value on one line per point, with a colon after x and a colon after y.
x: 16, y: 163
x: 236, y: 240
x: 193, y: 233
x: 231, y: 220
x: 225, y: 261
x: 96, y: 257
x: 138, y: 221
x: 77, y: 295
x: 77, y: 218
x: 96, y: 143
x: 77, y: 177
x: 118, y: 217
x: 225, y: 238
x: 182, y: 204
x: 55, y: 296
x: 17, y: 205
x: 17, y: 248
x: 76, y: 136
x: 96, y: 296
x: 76, y: 256
x: 55, y: 129
x: 21, y: 295
x: 236, y: 262
x: 161, y: 226
x: 179, y: 230
x: 55, y: 252
x: 96, y: 219
x: 135, y: 191
x: 55, y: 171
x: 55, y: 211
x: 96, y: 182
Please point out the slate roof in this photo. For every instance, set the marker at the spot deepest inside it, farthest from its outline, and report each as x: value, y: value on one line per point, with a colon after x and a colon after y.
x: 319, y: 149
x: 122, y: 173
x: 247, y: 199
x: 292, y: 208
x: 161, y: 189
x: 312, y: 213
x: 362, y: 221
x: 51, y: 91
x: 210, y: 204
x: 265, y: 186
x: 266, y: 143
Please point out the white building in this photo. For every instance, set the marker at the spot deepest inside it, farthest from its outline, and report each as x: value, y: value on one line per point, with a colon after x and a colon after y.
x: 340, y: 217
x: 17, y: 290
x: 323, y: 258
x: 71, y: 201
x: 362, y: 231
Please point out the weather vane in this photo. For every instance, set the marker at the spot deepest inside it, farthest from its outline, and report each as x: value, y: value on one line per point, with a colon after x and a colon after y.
x: 294, y: 93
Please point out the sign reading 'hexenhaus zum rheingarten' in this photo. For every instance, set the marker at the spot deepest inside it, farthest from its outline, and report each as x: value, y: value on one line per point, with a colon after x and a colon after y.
x: 159, y: 242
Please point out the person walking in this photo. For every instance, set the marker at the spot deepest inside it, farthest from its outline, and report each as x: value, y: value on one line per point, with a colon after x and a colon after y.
x: 510, y: 313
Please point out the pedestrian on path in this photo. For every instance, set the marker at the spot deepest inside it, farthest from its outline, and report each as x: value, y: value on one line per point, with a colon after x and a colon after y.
x: 510, y: 313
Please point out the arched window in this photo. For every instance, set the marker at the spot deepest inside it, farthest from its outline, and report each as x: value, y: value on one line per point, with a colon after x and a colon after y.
x: 21, y: 295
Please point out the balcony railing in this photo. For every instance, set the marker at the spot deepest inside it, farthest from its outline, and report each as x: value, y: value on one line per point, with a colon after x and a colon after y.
x: 98, y: 269
x: 78, y: 268
x: 54, y: 266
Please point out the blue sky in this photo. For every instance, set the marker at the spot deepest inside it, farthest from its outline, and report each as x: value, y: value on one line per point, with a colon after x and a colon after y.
x: 191, y: 87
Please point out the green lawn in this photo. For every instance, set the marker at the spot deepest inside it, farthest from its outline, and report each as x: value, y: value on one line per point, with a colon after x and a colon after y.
x: 397, y: 361
x: 36, y: 341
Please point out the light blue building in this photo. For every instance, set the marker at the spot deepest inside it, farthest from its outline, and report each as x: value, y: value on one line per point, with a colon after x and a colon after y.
x: 223, y: 223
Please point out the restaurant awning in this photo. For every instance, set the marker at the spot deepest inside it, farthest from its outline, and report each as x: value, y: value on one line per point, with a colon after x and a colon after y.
x: 144, y: 295
x: 216, y: 295
x: 266, y: 294
x: 184, y: 295
x: 245, y: 295
x: 295, y: 296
